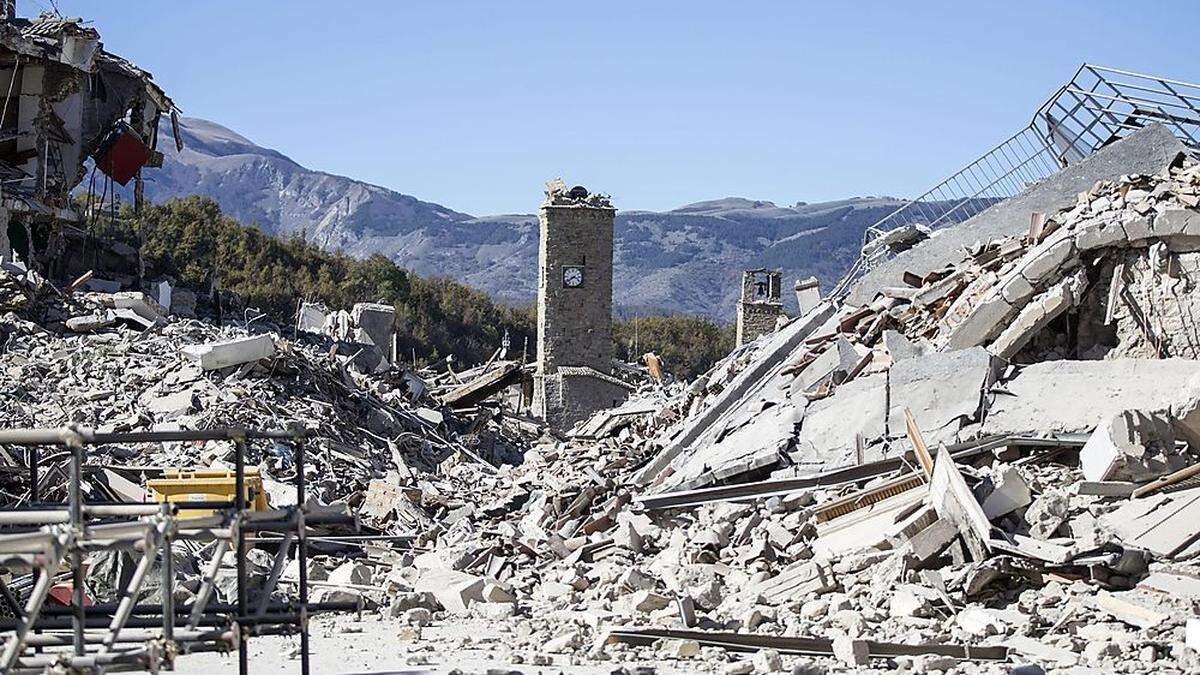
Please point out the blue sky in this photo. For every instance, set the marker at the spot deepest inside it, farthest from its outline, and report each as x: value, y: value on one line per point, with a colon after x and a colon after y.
x: 474, y: 104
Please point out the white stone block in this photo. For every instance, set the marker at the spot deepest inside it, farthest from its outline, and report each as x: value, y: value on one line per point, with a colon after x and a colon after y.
x: 231, y: 352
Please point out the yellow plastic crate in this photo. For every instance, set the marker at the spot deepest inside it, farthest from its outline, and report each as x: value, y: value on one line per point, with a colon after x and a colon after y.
x: 206, y: 485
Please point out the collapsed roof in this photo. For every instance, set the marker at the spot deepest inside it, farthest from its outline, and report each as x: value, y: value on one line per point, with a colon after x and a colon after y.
x: 67, y: 100
x: 1105, y: 275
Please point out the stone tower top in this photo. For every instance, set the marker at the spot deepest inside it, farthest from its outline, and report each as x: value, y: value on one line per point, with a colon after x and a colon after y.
x: 557, y: 194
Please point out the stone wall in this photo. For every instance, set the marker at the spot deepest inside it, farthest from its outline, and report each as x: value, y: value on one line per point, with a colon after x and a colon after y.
x: 570, y: 397
x: 575, y: 324
x: 1156, y: 313
x: 755, y: 319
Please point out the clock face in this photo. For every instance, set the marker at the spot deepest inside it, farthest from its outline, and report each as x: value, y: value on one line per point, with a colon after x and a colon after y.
x: 572, y: 276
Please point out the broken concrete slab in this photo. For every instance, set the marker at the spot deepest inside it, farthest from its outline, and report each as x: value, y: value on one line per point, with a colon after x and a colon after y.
x: 831, y: 425
x: 141, y: 304
x: 454, y: 590
x: 1046, y: 258
x: 1174, y: 585
x: 1165, y: 523
x: 775, y: 350
x: 1105, y: 488
x: 216, y: 355
x: 930, y: 543
x: 1044, y: 398
x: 900, y: 347
x: 1009, y: 493
x: 1032, y: 318
x: 1133, y: 446
x: 797, y: 581
x: 943, y: 390
x: 1124, y: 607
x: 985, y: 321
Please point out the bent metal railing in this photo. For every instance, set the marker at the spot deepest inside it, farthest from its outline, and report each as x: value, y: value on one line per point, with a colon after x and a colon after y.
x: 1098, y: 106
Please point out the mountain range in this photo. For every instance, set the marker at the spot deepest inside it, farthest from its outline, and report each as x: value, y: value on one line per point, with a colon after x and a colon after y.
x: 688, y: 259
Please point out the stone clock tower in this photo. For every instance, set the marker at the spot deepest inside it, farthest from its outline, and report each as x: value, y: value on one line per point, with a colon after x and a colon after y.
x: 575, y: 283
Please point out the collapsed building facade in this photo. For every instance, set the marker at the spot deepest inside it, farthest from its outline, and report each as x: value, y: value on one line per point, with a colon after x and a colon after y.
x: 68, y: 101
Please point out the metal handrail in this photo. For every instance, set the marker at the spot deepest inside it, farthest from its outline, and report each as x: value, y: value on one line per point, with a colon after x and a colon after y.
x: 1092, y: 110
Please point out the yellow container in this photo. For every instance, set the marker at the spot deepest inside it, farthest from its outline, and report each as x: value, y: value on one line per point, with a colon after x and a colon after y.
x: 206, y: 485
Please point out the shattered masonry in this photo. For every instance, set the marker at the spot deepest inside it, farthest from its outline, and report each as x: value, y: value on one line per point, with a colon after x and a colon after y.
x: 981, y: 458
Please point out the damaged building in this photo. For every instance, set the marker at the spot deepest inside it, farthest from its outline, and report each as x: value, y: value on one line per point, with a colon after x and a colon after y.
x: 978, y: 453
x: 69, y: 105
x: 574, y: 307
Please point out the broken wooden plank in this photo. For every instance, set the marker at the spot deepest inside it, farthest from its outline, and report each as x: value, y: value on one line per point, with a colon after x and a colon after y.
x: 1037, y: 226
x: 78, y: 283
x: 750, y: 642
x: 1114, y: 292
x: 918, y: 443
x: 484, y: 386
x: 1167, y: 480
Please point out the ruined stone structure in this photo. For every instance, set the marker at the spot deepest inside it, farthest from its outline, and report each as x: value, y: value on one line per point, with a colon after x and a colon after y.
x: 575, y: 281
x: 69, y: 101
x: 759, y: 309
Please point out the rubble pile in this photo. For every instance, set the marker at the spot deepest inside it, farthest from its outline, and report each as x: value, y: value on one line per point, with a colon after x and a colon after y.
x: 992, y: 467
x: 130, y: 369
x: 953, y: 467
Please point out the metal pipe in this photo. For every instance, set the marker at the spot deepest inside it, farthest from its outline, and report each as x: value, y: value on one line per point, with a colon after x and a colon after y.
x: 125, y: 608
x: 213, y: 609
x: 86, y: 436
x: 167, y: 584
x: 16, y: 644
x: 302, y: 553
x: 240, y: 498
x: 126, y: 637
x: 27, y: 542
x: 40, y: 664
x: 281, y: 557
x: 77, y: 526
x: 206, y: 585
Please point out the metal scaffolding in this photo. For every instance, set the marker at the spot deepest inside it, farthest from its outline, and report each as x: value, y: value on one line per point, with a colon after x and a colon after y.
x: 1099, y: 106
x: 49, y: 538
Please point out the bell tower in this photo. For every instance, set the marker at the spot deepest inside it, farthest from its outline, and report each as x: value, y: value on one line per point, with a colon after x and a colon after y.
x: 575, y: 286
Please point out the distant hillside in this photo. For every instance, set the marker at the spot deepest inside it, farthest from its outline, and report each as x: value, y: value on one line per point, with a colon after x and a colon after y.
x: 684, y: 260
x: 188, y: 238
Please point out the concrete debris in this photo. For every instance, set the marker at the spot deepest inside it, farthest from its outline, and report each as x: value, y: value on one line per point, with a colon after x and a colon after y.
x: 1132, y: 446
x: 994, y: 460
x: 217, y: 355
